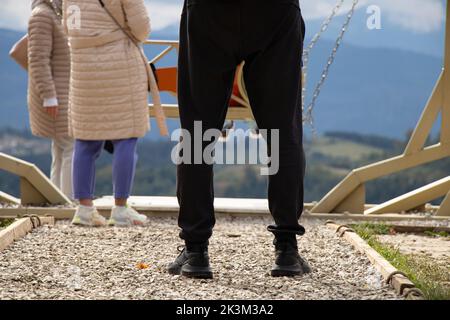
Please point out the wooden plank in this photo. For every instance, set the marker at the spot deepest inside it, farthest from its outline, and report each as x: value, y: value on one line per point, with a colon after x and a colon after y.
x: 174, y: 43
x: 353, y: 203
x: 170, y: 110
x: 234, y: 113
x: 444, y: 209
x: 67, y: 213
x: 376, y: 218
x: 29, y: 195
x: 396, y: 164
x: 445, y: 126
x: 398, y: 282
x: 413, y: 199
x: 18, y: 229
x: 427, y: 119
x: 105, y: 203
x: 58, y: 213
x: 7, y: 198
x: 162, y: 54
x: 333, y: 198
x: 14, y: 165
x: 35, y: 179
x: 170, y: 204
x: 43, y: 184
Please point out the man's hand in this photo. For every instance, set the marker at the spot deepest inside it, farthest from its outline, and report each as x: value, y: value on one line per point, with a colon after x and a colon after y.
x: 52, y: 111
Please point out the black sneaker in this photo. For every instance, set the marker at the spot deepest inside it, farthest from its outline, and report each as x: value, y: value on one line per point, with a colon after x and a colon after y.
x: 288, y: 262
x: 192, y: 263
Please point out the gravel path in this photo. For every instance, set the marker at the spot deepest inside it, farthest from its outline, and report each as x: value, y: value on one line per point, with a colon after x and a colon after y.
x: 65, y: 262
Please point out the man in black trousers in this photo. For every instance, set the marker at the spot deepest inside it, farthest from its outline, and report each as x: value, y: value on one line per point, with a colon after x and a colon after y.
x: 215, y: 37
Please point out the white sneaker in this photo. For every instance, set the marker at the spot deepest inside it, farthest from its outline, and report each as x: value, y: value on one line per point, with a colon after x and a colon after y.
x: 88, y: 216
x: 126, y: 217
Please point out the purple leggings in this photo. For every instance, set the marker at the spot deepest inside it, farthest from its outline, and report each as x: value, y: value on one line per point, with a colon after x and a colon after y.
x: 123, y: 169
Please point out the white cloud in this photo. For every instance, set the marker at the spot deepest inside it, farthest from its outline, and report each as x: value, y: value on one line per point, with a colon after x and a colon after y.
x: 163, y: 14
x: 415, y: 15
x: 14, y: 14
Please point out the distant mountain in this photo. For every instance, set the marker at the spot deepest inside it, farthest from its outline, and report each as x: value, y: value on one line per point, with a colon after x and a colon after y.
x: 370, y: 90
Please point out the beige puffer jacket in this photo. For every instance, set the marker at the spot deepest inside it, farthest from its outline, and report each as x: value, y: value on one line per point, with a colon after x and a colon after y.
x: 49, y: 70
x: 109, y: 81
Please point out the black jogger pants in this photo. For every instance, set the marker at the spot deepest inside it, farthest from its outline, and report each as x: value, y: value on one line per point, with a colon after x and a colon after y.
x: 215, y: 37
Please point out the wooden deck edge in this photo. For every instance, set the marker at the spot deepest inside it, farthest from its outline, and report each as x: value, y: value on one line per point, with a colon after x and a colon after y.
x: 401, y: 284
x: 20, y: 228
x: 67, y: 213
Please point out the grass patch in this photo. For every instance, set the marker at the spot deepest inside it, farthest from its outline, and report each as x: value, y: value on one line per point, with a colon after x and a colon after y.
x: 426, y: 274
x: 5, y: 222
x: 340, y: 148
x: 441, y: 234
x: 366, y: 230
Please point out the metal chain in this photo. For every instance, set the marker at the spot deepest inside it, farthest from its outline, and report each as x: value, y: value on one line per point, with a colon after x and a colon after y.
x: 308, y: 117
x: 323, y: 28
x: 312, y: 44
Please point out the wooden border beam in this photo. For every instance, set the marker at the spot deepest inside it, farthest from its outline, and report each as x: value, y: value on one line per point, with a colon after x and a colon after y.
x: 398, y: 281
x: 20, y: 228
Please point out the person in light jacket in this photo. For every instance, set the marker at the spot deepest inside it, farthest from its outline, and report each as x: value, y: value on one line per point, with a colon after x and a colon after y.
x: 48, y: 87
x: 108, y: 99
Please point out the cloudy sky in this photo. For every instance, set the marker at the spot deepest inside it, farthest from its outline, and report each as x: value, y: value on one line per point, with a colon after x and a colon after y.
x: 421, y: 16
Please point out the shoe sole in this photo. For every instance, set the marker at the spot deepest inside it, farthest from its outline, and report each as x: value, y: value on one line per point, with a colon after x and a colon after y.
x: 287, y: 271
x: 197, y: 274
x: 119, y: 224
x: 193, y: 272
x: 80, y: 223
x: 126, y: 224
x: 174, y: 272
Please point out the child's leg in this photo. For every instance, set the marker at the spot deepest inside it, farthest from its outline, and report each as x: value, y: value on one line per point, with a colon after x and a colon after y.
x: 124, y: 166
x: 85, y: 154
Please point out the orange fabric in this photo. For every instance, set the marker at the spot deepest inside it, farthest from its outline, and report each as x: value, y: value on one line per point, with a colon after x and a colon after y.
x: 167, y: 81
